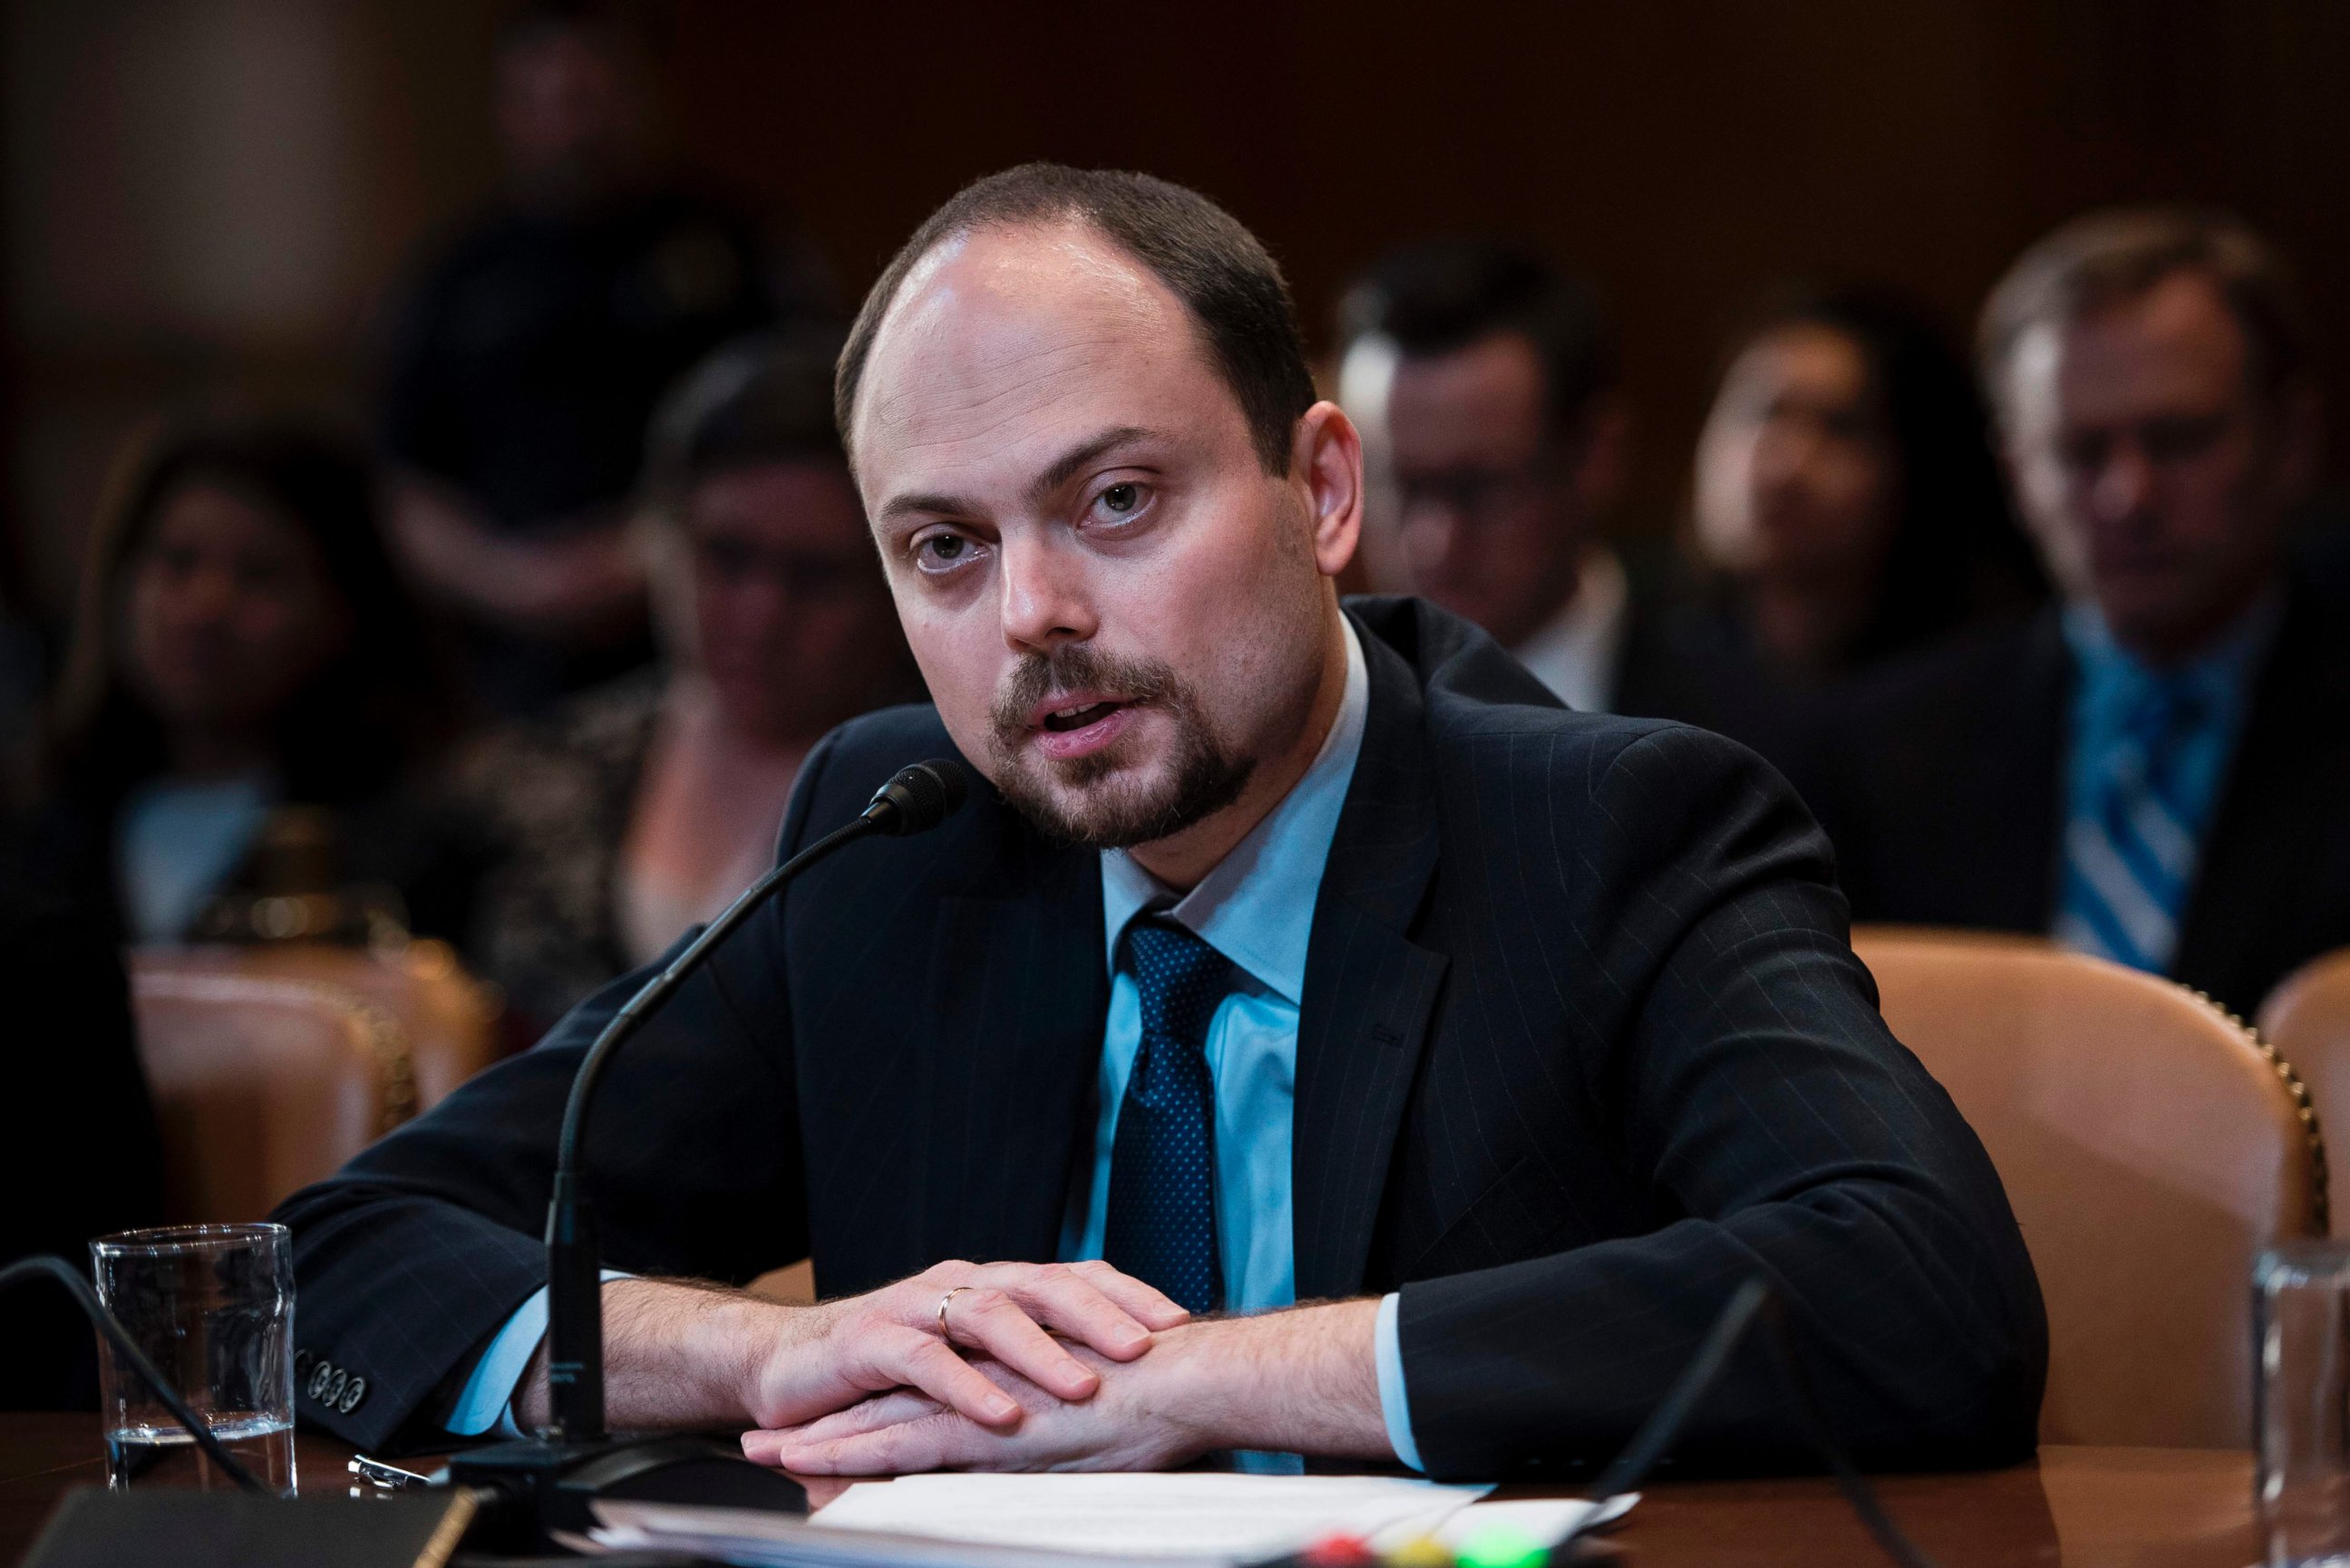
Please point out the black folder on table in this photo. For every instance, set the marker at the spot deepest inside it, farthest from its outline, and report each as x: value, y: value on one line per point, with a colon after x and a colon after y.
x: 94, y: 1528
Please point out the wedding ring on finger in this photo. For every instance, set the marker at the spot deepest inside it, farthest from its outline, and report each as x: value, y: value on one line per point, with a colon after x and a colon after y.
x: 943, y: 1303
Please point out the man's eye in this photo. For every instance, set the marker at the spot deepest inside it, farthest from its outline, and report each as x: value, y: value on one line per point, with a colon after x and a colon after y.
x: 2084, y: 453
x: 940, y: 552
x: 2176, y: 439
x: 1122, y: 500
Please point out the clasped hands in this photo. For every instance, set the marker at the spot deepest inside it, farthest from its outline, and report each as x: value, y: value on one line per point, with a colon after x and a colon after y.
x: 874, y: 1386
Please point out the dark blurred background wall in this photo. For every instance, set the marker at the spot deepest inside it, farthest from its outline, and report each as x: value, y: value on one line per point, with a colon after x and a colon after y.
x: 214, y: 196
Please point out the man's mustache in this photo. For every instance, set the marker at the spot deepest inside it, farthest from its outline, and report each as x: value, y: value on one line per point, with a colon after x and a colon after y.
x: 1076, y: 668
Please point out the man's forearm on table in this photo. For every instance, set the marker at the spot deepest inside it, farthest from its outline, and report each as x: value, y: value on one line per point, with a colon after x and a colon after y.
x: 677, y: 1353
x: 1305, y: 1380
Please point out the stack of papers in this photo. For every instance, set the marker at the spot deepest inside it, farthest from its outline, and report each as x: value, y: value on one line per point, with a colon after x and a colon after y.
x: 1178, y: 1520
x: 1206, y: 1514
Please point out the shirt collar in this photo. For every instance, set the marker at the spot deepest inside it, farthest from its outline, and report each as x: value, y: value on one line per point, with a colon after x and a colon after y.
x: 1575, y: 652
x: 2112, y: 674
x: 1256, y: 907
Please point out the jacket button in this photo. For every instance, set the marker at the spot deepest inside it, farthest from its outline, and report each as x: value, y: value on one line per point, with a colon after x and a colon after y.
x: 352, y: 1395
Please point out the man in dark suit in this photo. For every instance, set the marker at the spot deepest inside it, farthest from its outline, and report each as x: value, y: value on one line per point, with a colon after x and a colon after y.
x: 1484, y: 379
x: 2156, y: 772
x: 1302, y: 962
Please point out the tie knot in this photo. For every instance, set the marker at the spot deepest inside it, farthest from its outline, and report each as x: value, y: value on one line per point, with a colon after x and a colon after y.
x: 1179, y: 977
x: 2167, y: 707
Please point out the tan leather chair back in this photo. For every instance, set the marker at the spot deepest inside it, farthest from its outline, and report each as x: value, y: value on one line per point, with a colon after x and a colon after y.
x: 449, y: 1019
x: 2150, y: 1148
x: 2307, y: 1019
x: 262, y: 1085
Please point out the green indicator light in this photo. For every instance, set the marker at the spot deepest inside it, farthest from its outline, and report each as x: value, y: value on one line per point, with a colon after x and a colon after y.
x: 1499, y: 1546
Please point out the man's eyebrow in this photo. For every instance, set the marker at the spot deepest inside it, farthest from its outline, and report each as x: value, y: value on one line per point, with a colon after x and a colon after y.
x: 925, y: 506
x: 1067, y: 465
x: 1057, y: 473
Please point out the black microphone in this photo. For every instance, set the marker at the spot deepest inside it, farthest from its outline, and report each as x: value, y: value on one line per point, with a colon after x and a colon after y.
x: 572, y: 1462
x: 918, y: 799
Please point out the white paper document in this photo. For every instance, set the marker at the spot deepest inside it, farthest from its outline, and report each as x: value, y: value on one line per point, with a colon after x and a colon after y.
x: 1234, y: 1518
x: 1182, y: 1520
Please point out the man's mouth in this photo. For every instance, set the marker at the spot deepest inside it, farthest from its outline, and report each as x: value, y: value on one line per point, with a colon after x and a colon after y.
x: 1061, y: 721
x: 1075, y: 724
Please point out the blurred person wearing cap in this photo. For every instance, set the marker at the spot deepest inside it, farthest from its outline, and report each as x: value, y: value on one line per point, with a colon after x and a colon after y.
x: 526, y: 360
x: 2154, y: 770
x: 1415, y: 1066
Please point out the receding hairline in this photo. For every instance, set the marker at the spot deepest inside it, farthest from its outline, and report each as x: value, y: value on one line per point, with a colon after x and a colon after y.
x: 923, y: 265
x: 2115, y: 258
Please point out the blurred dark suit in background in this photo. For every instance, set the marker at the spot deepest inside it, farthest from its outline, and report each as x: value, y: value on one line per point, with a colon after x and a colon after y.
x: 96, y: 1165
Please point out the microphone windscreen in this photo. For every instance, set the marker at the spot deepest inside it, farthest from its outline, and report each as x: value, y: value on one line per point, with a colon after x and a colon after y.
x: 921, y: 796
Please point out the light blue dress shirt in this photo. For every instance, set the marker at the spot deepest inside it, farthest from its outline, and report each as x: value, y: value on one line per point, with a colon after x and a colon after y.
x: 2113, y: 682
x: 179, y: 843
x: 1256, y: 909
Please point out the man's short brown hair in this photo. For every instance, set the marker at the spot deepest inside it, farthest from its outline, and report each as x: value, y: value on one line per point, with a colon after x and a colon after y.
x: 2110, y: 257
x: 1232, y: 287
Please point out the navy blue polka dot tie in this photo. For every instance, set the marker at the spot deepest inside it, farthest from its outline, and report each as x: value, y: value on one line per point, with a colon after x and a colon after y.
x: 1161, y: 1223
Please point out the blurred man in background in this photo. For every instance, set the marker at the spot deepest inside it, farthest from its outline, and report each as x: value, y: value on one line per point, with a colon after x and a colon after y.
x: 1484, y: 379
x: 2156, y: 772
x: 528, y: 360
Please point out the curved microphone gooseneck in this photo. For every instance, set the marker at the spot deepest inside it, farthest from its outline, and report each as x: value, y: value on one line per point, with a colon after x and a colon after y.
x: 917, y: 800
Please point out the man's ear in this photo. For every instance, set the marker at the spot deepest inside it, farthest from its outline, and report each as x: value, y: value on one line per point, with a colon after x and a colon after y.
x: 1605, y: 459
x: 2301, y: 439
x: 1327, y: 456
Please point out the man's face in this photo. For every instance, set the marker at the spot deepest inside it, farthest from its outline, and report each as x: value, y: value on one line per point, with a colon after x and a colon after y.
x: 564, y: 103
x: 2156, y: 478
x: 778, y: 604
x: 1490, y: 518
x: 1120, y: 613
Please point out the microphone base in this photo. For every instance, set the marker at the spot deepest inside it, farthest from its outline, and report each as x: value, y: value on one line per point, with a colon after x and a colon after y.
x: 546, y: 1487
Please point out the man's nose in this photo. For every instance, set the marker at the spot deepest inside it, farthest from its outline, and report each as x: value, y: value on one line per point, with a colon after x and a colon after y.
x: 1431, y: 532
x: 208, y: 594
x: 1046, y: 601
x: 2124, y: 485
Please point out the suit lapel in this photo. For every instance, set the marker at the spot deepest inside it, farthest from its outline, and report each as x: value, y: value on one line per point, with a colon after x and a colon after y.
x: 2025, y: 798
x: 2250, y: 895
x: 1018, y: 1001
x: 1369, y: 988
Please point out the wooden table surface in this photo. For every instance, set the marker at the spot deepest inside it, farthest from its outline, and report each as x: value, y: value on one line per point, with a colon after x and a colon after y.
x: 2081, y: 1508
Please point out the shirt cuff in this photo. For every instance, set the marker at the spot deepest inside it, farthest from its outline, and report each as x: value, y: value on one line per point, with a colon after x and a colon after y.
x: 1395, y: 1407
x: 486, y: 1403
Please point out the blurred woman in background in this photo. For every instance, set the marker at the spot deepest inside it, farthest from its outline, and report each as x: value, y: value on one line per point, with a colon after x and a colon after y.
x: 642, y: 808
x: 1846, y: 504
x: 243, y: 645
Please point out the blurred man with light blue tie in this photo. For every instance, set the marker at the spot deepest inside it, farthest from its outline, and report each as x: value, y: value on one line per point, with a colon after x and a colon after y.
x: 2156, y: 772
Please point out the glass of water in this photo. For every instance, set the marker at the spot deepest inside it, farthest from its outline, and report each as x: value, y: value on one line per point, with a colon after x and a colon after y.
x: 213, y: 1306
x: 2300, y: 1301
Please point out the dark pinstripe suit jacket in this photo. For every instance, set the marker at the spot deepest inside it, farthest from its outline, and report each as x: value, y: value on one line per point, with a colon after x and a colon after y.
x: 1582, y: 1045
